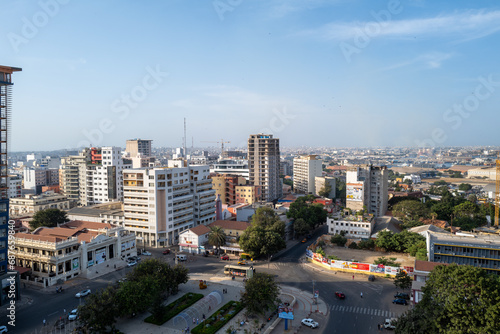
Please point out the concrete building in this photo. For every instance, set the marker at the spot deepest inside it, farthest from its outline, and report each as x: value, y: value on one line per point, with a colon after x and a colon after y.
x: 6, y: 277
x: 473, y: 249
x: 159, y: 203
x: 135, y: 147
x: 15, y: 186
x: 194, y: 240
x: 232, y: 229
x: 31, y: 204
x: 355, y: 227
x: 305, y: 170
x: 237, y: 167
x: 415, y: 179
x: 264, y: 165
x: 225, y: 186
x: 248, y: 194
x: 482, y: 172
x: 320, y: 182
x: 51, y: 255
x: 421, y: 273
x: 36, y: 177
x: 72, y: 170
x: 367, y: 186
x: 111, y: 213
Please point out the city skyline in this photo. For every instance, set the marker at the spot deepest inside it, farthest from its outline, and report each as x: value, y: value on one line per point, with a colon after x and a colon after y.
x: 320, y: 73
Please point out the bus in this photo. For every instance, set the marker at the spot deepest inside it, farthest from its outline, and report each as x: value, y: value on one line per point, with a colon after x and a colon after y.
x: 241, y: 271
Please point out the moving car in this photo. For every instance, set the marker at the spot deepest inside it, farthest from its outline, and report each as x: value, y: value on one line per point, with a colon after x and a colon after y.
x: 73, y: 315
x: 83, y: 293
x: 166, y: 251
x: 225, y: 257
x: 402, y: 295
x: 400, y: 301
x: 132, y: 263
x: 309, y: 323
x: 242, y: 262
x: 146, y: 253
x: 304, y: 240
x: 339, y: 295
x: 390, y: 323
x: 181, y: 257
x: 371, y: 278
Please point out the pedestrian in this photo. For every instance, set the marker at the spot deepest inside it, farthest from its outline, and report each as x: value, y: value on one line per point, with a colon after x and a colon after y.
x: 197, y: 320
x: 203, y: 316
x: 44, y: 322
x: 361, y: 294
x: 187, y: 330
x: 64, y: 311
x: 352, y: 276
x: 378, y: 327
x: 194, y: 320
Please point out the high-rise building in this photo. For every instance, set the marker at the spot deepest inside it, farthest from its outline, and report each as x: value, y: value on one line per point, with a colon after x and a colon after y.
x: 264, y: 165
x: 72, y: 170
x: 159, y: 203
x: 305, y: 169
x: 321, y: 181
x: 138, y: 146
x: 225, y: 186
x: 366, y: 186
x: 5, y: 109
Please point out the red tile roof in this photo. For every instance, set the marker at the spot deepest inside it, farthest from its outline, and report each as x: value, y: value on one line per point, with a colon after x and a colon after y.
x: 38, y: 237
x: 200, y: 229
x: 231, y: 224
x: 427, y: 265
x: 81, y: 224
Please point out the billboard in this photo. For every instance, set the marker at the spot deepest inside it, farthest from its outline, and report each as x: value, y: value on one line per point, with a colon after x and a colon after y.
x: 354, y: 192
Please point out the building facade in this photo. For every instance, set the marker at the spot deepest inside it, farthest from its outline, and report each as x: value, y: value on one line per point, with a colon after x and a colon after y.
x: 159, y: 203
x: 248, y: 194
x: 305, y: 170
x: 237, y: 167
x: 354, y: 227
x: 320, y: 182
x: 367, y: 187
x: 194, y: 240
x: 264, y: 165
x: 225, y: 186
x: 15, y: 186
x: 30, y: 204
x: 136, y: 147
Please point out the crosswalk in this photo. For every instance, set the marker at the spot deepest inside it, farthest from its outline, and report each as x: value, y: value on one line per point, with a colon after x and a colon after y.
x: 375, y: 287
x: 363, y: 310
x: 280, y: 265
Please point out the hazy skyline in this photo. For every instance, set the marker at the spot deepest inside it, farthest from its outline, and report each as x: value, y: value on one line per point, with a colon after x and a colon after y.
x: 313, y: 73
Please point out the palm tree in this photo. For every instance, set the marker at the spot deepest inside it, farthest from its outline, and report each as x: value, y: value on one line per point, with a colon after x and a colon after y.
x: 217, y: 237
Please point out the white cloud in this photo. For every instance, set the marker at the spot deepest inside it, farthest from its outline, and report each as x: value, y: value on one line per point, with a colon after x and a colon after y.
x: 431, y: 60
x: 466, y: 25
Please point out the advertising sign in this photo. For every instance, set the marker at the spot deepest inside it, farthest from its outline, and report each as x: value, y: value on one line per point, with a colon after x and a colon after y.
x: 100, y: 255
x: 285, y: 313
x: 377, y: 268
x: 76, y: 263
x: 354, y: 192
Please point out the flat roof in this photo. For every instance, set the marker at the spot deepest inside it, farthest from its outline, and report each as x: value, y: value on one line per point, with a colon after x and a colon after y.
x: 9, y: 69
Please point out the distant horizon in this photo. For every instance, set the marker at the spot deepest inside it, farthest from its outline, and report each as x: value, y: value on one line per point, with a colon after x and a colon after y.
x: 313, y: 73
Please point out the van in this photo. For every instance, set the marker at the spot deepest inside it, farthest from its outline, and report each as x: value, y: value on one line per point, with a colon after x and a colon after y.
x: 181, y: 257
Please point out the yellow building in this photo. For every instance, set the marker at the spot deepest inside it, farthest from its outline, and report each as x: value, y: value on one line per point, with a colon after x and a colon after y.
x: 225, y: 186
x: 248, y: 194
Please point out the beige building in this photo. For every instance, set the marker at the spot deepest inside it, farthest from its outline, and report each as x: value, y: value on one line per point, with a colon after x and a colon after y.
x: 51, y: 255
x: 305, y: 170
x: 135, y: 147
x: 366, y: 186
x: 31, y: 204
x: 248, y: 194
x: 225, y: 186
x: 264, y: 165
x: 483, y: 172
x: 159, y: 203
x: 320, y: 182
x: 71, y: 171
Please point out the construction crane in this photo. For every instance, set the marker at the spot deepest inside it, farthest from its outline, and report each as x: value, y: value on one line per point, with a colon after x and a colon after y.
x: 221, y: 142
x: 497, y: 190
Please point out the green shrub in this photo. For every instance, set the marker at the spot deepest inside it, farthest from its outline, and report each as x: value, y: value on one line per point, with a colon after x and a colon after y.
x: 353, y: 245
x: 213, y: 324
x: 339, y: 240
x: 174, y: 308
x: 334, y: 257
x: 391, y: 262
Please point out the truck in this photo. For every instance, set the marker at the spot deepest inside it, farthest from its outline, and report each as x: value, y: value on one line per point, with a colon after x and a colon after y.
x: 390, y: 323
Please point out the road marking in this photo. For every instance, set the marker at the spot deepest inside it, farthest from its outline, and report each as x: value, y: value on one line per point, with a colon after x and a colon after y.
x: 53, y: 313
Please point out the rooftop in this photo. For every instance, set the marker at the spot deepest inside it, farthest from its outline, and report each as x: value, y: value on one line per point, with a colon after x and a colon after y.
x: 231, y: 224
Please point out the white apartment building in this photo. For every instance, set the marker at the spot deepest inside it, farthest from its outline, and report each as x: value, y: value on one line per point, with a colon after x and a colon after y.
x: 159, y: 203
x: 72, y: 170
x: 320, y: 182
x: 305, y: 170
x: 264, y: 165
x: 231, y: 166
x: 104, y: 178
x: 366, y: 186
x: 355, y: 227
x: 415, y: 179
x: 39, y: 176
x: 15, y: 186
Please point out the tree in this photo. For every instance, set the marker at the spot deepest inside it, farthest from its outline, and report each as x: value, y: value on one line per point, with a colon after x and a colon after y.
x: 464, y: 187
x: 410, y: 210
x: 100, y: 310
x: 266, y: 234
x: 472, y: 198
x: 313, y: 214
x: 402, y: 280
x: 466, y: 209
x: 339, y: 240
x: 48, y: 218
x: 300, y: 226
x: 261, y: 294
x: 391, y: 262
x: 217, y: 237
x: 340, y: 190
x: 457, y: 299
x: 325, y: 190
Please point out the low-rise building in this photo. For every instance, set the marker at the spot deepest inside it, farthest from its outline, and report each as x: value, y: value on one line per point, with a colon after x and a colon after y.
x: 33, y: 203
x: 51, y: 255
x: 111, y: 213
x: 421, y: 273
x: 233, y: 230
x: 247, y: 194
x: 354, y: 227
x: 194, y: 240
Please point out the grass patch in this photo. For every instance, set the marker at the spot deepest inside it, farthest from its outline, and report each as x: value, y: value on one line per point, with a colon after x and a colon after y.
x: 217, y: 320
x: 174, y: 308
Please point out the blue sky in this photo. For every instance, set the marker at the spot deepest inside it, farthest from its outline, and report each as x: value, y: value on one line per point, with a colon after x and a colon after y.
x: 312, y: 72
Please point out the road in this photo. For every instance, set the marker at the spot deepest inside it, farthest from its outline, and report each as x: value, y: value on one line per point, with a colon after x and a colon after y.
x: 352, y: 315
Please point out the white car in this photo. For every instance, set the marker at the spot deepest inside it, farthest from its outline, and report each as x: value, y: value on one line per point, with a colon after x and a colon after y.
x: 83, y: 293
x: 309, y: 323
x: 130, y: 264
x: 389, y: 323
x: 3, y: 329
x: 146, y: 253
x: 73, y: 315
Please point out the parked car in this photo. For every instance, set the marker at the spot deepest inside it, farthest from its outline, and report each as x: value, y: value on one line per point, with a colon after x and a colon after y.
x: 400, y: 301
x: 166, y: 251
x: 402, y: 295
x: 132, y: 263
x: 181, y: 257
x: 339, y: 295
x: 83, y: 293
x: 390, y: 323
x: 371, y: 278
x: 3, y: 329
x: 73, y: 315
x: 146, y: 253
x: 309, y: 323
x: 304, y: 240
x: 225, y: 257
x: 275, y: 312
x: 121, y: 280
